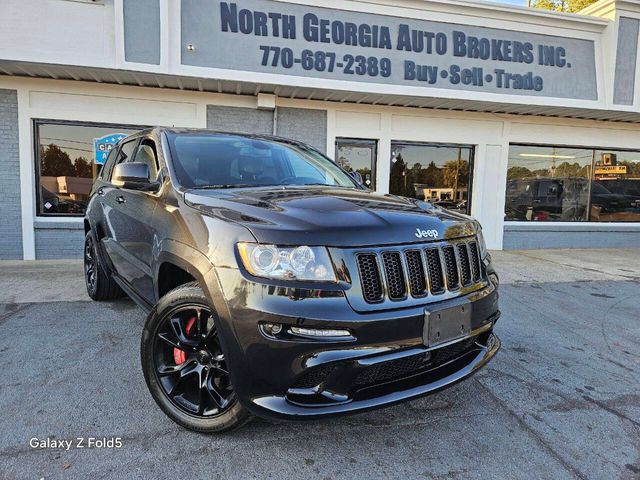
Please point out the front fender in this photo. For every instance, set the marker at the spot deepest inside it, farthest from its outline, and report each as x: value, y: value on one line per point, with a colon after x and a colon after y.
x: 188, y: 259
x: 201, y: 268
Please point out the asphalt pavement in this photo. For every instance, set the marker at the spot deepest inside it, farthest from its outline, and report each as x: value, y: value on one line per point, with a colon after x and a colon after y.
x: 560, y: 400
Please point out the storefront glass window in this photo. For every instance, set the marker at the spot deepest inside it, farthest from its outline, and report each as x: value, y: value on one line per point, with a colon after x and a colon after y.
x: 565, y: 184
x: 66, y: 163
x: 358, y: 155
x: 440, y: 174
x: 548, y: 183
x: 615, y: 192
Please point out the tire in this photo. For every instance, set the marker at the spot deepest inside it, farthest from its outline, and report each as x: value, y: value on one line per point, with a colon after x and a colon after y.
x: 184, y: 366
x: 100, y: 285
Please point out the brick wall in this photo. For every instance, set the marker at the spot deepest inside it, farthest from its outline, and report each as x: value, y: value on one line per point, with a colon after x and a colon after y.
x: 308, y: 126
x: 11, y: 218
x: 240, y: 120
x: 59, y: 240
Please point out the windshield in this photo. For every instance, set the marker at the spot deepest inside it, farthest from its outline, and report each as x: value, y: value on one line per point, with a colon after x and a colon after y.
x: 228, y: 161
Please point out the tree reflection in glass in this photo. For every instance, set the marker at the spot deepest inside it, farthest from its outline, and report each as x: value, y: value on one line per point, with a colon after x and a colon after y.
x: 435, y: 173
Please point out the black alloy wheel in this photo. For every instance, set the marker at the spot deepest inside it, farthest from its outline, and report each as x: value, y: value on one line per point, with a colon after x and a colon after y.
x: 100, y: 284
x: 185, y: 366
x: 189, y: 362
x: 90, y: 266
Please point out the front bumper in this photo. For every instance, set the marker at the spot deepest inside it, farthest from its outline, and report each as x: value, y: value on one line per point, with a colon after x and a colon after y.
x: 385, y: 363
x: 384, y: 393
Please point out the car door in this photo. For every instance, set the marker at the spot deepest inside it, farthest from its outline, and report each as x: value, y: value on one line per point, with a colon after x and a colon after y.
x: 133, y: 213
x: 549, y: 196
x: 140, y: 206
x: 115, y: 228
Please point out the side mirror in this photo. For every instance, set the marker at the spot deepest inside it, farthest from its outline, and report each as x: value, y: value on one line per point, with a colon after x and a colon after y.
x: 133, y: 176
x: 356, y: 176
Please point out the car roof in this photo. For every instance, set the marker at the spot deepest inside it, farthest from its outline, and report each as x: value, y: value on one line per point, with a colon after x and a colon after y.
x: 207, y: 131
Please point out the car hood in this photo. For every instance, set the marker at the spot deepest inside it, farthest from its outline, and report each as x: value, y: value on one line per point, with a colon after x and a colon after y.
x: 340, y: 217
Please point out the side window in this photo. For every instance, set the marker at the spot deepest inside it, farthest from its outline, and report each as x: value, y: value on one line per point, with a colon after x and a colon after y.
x: 146, y: 153
x: 105, y: 172
x: 543, y: 189
x: 125, y: 153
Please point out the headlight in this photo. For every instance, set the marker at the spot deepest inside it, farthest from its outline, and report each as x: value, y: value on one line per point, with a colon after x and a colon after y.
x: 287, y: 263
x: 481, y: 245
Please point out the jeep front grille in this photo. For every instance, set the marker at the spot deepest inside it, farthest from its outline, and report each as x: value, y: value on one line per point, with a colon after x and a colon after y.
x: 475, y: 261
x: 397, y: 273
x: 370, y: 277
x: 434, y: 265
x: 415, y: 270
x: 465, y: 264
x: 394, y: 275
x: 451, y: 267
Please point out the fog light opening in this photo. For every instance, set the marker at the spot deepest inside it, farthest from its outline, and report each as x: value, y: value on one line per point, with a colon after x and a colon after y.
x: 319, y: 332
x: 272, y: 328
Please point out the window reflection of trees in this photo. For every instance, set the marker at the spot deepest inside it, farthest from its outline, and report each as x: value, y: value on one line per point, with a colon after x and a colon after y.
x: 440, y: 174
x: 66, y: 164
x: 56, y: 162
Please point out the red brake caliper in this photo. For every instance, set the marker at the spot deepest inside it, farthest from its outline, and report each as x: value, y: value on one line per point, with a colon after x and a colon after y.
x: 179, y: 356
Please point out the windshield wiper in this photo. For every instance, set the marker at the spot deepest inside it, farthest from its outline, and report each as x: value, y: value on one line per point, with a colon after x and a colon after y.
x: 322, y: 185
x: 224, y: 185
x: 247, y: 185
x: 308, y: 185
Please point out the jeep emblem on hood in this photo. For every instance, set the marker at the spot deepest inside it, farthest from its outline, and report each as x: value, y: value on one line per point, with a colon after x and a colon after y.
x: 426, y: 233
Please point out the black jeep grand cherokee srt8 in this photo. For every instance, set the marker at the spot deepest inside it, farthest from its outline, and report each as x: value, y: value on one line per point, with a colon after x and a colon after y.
x: 277, y: 285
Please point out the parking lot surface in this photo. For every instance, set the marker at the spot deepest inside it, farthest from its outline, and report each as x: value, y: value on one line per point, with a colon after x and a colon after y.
x: 560, y: 400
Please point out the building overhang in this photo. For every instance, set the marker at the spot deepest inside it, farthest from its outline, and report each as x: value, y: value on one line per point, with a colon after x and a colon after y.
x: 226, y: 86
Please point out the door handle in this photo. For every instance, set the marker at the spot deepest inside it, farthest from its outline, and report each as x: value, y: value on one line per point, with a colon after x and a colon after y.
x: 121, y: 199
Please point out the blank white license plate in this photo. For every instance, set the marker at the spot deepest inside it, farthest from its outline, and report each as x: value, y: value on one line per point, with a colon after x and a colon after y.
x: 444, y: 325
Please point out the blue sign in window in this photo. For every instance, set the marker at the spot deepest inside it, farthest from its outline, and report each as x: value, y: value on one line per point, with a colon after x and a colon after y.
x: 103, y: 145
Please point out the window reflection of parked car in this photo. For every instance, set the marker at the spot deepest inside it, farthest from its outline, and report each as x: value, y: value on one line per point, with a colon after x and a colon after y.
x: 460, y: 207
x: 615, y: 200
x: 448, y: 204
x: 561, y: 199
x: 567, y: 199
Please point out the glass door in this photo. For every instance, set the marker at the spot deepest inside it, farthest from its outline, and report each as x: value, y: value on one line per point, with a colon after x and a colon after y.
x: 440, y: 174
x: 358, y: 155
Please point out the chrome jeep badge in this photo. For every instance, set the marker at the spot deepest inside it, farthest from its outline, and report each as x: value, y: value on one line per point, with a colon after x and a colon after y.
x: 426, y: 233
